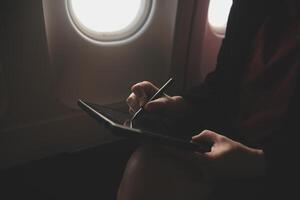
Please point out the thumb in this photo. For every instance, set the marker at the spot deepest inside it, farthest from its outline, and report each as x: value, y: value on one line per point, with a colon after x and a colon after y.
x: 206, y: 136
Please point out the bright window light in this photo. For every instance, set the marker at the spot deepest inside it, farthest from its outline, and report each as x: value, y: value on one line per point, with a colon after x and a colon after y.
x: 109, y: 19
x: 106, y: 15
x: 218, y: 15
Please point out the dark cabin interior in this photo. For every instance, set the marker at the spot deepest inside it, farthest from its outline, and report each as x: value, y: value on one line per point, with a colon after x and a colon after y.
x: 83, y: 173
x: 52, y: 151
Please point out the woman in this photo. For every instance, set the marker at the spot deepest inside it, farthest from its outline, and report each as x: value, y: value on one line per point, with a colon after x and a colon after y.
x: 247, y: 108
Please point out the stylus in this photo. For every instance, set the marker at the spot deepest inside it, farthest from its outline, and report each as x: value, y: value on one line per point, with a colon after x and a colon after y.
x: 156, y: 95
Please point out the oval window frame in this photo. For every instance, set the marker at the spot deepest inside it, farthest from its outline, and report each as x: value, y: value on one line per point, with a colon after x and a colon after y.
x: 133, y: 29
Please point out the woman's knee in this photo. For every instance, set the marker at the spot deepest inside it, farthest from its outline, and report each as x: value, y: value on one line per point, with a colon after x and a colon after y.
x: 144, y: 157
x: 152, y: 171
x: 138, y: 173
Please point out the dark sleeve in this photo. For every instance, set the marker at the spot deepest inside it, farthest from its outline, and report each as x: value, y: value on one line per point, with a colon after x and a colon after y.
x: 241, y: 29
x: 214, y: 102
x: 209, y: 100
x: 282, y: 155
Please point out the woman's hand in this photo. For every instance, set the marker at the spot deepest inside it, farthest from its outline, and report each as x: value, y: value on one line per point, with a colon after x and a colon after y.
x: 143, y: 91
x: 229, y: 159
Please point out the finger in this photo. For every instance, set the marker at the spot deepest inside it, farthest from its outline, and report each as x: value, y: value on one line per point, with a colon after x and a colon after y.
x: 144, y: 89
x: 131, y: 111
x: 132, y: 102
x: 136, y: 101
x: 167, y: 104
x: 138, y: 90
x: 206, y: 136
x: 156, y: 105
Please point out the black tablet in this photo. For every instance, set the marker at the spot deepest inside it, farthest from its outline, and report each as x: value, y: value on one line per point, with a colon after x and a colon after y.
x: 149, y: 128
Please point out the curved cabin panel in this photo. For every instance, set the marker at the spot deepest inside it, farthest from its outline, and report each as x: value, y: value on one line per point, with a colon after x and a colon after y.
x: 103, y: 69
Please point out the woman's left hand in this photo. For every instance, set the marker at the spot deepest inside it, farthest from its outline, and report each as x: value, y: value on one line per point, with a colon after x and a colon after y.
x: 227, y: 159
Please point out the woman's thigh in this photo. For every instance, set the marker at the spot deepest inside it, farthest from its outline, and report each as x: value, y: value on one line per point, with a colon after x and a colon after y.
x: 154, y: 172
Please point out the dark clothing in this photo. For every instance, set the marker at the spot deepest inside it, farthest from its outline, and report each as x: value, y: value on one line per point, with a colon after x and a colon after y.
x: 269, y: 82
x: 218, y: 101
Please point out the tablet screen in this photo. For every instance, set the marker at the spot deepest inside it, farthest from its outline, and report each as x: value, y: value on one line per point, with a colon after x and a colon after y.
x: 148, y: 121
x: 148, y: 127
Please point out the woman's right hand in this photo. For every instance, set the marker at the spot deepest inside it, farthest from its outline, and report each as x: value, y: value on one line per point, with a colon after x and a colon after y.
x: 143, y: 91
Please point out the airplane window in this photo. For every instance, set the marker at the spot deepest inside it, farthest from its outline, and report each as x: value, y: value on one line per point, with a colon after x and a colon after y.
x: 218, y: 15
x: 109, y: 20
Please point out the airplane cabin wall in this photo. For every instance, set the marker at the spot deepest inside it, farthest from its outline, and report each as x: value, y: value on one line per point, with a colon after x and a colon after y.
x: 33, y: 122
x: 204, y: 47
x: 104, y: 73
x: 46, y: 66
